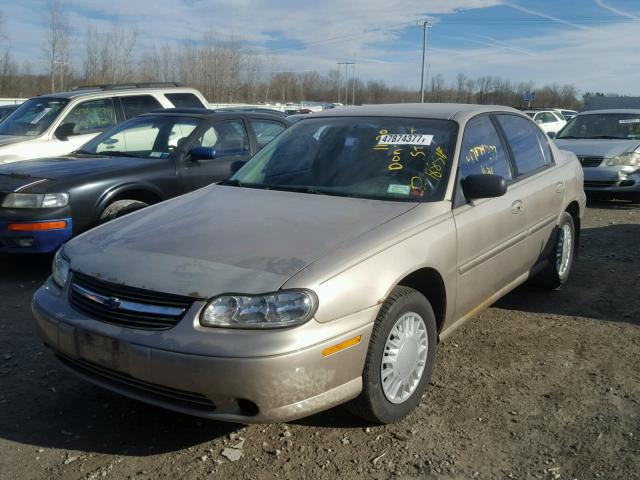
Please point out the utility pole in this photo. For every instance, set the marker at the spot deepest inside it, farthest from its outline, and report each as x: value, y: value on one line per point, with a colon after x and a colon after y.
x: 353, y: 81
x: 339, y: 78
x: 346, y: 80
x: 426, y: 24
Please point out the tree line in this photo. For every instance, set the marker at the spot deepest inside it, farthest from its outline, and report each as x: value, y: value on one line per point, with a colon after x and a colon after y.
x: 231, y: 72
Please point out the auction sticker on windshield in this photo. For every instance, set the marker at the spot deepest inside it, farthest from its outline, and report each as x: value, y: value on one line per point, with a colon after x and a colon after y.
x: 629, y: 120
x: 405, y: 139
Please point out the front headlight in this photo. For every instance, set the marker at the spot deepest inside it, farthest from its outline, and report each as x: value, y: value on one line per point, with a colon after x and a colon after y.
x: 276, y: 310
x: 629, y: 159
x: 60, y: 269
x: 36, y: 200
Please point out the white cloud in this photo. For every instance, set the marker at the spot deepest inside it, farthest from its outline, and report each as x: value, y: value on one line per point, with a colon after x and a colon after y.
x: 318, y: 34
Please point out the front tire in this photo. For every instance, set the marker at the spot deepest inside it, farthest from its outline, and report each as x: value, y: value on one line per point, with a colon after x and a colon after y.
x: 560, y: 257
x: 400, y: 358
x: 119, y: 208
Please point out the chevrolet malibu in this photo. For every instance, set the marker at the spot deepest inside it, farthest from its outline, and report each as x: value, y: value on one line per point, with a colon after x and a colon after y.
x: 325, y: 271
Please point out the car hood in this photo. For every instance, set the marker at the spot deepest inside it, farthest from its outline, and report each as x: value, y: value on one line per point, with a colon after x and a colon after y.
x: 9, y: 139
x: 225, y: 239
x: 597, y: 147
x: 72, y: 166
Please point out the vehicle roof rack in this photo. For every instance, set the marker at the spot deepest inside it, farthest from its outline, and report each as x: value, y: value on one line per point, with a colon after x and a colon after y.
x: 125, y: 86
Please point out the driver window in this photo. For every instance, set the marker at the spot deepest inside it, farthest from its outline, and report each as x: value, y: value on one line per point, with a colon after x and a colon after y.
x: 482, y: 151
x: 92, y: 116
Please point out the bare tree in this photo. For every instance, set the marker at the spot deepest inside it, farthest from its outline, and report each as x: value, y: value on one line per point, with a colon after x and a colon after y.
x: 57, y: 44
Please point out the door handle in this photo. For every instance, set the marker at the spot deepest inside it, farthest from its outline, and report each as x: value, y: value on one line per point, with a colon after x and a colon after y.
x: 517, y: 207
x: 559, y: 187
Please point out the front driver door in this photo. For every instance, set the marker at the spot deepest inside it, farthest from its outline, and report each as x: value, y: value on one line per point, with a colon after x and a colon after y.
x: 492, y: 231
x: 231, y: 143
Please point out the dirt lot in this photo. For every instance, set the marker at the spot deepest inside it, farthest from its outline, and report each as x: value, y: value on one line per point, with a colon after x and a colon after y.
x: 539, y: 386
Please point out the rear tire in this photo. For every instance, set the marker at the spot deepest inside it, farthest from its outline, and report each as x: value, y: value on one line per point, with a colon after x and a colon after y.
x: 400, y: 358
x: 560, y: 257
x: 120, y: 208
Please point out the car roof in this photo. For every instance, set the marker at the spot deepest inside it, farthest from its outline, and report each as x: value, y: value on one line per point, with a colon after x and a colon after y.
x: 110, y: 92
x: 613, y: 110
x: 445, y: 111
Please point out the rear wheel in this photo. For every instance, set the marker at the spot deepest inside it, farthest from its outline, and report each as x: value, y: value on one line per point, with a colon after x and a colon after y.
x: 560, y: 256
x: 119, y: 208
x: 399, y: 360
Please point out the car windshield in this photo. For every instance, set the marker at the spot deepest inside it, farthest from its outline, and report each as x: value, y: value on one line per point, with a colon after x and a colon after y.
x: 396, y: 159
x: 33, y: 117
x: 622, y: 126
x: 152, y: 136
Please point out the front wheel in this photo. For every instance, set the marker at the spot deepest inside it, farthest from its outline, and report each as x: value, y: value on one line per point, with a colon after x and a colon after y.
x: 400, y: 358
x: 119, y: 208
x: 560, y: 257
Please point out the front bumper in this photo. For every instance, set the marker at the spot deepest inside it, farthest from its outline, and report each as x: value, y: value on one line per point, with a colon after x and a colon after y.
x: 34, y: 241
x: 242, y: 388
x: 611, y: 179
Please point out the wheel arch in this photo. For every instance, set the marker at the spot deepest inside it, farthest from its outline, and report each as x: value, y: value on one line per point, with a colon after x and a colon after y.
x: 429, y: 283
x: 142, y: 193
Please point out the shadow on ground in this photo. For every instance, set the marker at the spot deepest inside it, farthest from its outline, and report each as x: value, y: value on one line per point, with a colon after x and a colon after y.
x: 603, y: 278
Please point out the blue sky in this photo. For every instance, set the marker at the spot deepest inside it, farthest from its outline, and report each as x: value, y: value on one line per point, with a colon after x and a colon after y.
x: 589, y: 43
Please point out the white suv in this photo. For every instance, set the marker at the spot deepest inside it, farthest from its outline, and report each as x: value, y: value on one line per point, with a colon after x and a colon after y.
x: 59, y: 123
x: 548, y: 120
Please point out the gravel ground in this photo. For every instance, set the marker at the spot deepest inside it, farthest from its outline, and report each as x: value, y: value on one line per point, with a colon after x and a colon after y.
x: 541, y: 385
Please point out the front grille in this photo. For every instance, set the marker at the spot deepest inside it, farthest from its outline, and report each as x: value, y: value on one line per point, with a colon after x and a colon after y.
x: 147, y: 390
x: 599, y: 183
x: 127, y: 306
x: 590, y: 161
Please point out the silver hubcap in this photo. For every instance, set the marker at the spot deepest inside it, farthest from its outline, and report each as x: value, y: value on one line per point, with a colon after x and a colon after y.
x: 563, y: 253
x: 404, y: 357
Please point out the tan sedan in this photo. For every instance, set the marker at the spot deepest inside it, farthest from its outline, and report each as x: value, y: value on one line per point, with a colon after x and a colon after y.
x: 325, y: 271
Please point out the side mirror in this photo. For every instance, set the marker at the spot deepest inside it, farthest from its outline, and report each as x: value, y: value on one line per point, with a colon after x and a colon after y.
x: 237, y: 165
x: 64, y: 131
x: 551, y: 134
x: 483, y: 186
x: 203, y: 153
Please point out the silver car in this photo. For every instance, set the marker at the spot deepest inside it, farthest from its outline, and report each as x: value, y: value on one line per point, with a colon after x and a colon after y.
x: 607, y: 143
x: 325, y: 271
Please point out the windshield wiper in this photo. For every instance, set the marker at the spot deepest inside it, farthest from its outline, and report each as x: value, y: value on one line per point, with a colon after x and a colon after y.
x: 117, y: 153
x: 608, y: 137
x: 305, y: 189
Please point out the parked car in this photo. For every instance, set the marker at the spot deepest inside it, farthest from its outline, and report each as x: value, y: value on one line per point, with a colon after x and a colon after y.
x: 143, y: 161
x: 325, y: 271
x: 551, y: 122
x: 607, y: 143
x: 566, y: 114
x: 5, y: 110
x: 59, y: 123
x: 254, y: 110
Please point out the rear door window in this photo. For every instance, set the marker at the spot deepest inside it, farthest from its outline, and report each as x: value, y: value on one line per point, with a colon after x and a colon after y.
x: 134, y: 105
x: 266, y: 130
x: 229, y: 138
x: 92, y: 116
x: 524, y: 139
x: 184, y: 100
x: 482, y: 150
